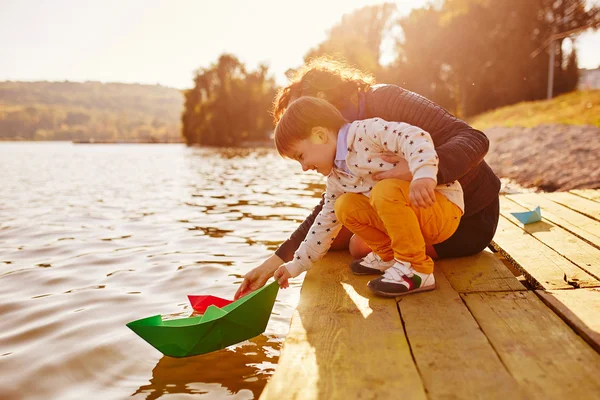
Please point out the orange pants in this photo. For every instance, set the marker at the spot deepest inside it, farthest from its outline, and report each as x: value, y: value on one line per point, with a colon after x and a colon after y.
x: 393, y: 228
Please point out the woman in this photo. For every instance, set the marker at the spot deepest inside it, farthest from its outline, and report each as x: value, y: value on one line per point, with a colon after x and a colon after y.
x: 460, y: 149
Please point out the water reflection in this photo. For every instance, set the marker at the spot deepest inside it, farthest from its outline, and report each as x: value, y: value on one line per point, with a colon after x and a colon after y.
x: 239, y: 370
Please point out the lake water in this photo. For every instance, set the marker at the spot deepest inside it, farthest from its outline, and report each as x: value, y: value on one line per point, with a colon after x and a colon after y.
x: 95, y: 236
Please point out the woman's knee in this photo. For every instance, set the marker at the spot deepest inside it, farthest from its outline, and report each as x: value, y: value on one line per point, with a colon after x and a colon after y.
x: 358, y: 248
x: 342, y: 240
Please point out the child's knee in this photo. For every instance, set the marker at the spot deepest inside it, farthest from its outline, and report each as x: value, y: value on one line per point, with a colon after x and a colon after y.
x: 345, y: 205
x: 391, y: 190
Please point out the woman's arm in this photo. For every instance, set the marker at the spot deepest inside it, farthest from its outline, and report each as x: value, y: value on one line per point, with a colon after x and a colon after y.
x: 459, y: 146
x: 321, y: 234
x: 413, y: 143
x: 288, y: 248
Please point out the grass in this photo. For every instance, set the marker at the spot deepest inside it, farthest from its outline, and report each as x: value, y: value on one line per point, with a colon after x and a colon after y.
x: 576, y: 108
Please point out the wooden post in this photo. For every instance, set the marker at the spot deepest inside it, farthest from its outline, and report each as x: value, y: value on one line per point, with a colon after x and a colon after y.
x: 551, y: 69
x: 551, y: 43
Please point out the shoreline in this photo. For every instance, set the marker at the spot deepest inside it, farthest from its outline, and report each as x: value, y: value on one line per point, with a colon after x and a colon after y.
x: 547, y: 157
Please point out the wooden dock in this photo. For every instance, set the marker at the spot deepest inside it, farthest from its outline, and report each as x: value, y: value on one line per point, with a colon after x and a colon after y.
x: 521, y: 323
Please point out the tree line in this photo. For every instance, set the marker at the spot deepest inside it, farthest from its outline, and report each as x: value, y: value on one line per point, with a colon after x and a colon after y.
x: 89, y: 111
x: 469, y: 56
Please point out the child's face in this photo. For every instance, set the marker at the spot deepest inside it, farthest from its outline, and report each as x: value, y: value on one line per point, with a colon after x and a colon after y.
x: 316, y: 152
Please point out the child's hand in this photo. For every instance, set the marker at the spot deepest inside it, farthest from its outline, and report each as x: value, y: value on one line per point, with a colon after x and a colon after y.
x: 254, y: 280
x: 421, y: 192
x: 281, y: 276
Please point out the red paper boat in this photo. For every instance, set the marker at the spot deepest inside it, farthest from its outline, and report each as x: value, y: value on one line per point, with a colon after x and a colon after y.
x: 201, y: 303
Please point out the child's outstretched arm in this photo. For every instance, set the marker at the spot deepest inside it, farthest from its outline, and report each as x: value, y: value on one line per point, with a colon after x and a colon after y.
x: 327, y: 227
x: 317, y: 242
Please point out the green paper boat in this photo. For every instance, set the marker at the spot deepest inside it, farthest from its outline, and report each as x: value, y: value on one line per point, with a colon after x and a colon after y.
x: 216, y: 329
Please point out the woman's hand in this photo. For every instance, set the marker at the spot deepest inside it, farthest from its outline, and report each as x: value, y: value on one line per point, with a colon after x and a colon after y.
x: 256, y: 278
x: 400, y: 171
x: 421, y: 192
x: 281, y: 276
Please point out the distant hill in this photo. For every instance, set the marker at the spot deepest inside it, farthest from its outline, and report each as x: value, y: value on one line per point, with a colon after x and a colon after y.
x: 89, y: 111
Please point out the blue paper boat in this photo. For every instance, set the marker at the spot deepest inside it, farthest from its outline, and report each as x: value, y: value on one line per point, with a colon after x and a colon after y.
x: 529, y: 217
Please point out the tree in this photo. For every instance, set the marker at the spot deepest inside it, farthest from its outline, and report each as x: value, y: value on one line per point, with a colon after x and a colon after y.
x: 475, y: 55
x: 562, y: 16
x: 420, y: 66
x: 569, y: 78
x: 228, y: 104
x: 357, y: 38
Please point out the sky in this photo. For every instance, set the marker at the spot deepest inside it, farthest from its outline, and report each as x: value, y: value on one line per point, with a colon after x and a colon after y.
x: 164, y: 42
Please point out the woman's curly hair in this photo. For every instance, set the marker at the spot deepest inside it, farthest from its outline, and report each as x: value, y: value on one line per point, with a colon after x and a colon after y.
x: 339, y: 83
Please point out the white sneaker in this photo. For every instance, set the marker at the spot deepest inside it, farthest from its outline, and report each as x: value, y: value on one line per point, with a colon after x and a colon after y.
x: 401, y: 279
x: 370, y: 264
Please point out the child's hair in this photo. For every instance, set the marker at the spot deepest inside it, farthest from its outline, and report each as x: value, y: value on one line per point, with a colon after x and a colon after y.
x: 301, y: 116
x: 338, y: 81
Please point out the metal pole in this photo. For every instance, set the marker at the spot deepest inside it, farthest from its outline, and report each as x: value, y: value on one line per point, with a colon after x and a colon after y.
x: 551, y: 70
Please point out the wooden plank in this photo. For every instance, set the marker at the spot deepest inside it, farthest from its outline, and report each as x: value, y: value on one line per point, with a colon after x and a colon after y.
x: 455, y: 359
x: 587, y: 193
x: 577, y: 251
x: 541, y: 266
x: 542, y: 353
x: 577, y: 203
x: 576, y: 223
x: 481, y: 272
x: 344, y: 342
x: 579, y: 308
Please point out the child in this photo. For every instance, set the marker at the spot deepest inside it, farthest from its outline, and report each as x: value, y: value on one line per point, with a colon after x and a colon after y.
x: 396, y: 218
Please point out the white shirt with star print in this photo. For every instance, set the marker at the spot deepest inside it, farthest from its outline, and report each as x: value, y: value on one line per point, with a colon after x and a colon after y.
x: 367, y: 140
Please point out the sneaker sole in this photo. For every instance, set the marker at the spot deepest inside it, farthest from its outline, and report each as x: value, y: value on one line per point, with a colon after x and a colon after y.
x: 385, y: 294
x: 375, y: 272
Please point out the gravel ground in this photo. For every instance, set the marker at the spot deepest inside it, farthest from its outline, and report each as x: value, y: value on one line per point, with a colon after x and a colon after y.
x: 548, y: 157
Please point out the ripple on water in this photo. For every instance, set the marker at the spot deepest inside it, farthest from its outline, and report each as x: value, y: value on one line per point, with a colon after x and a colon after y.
x: 93, y: 237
